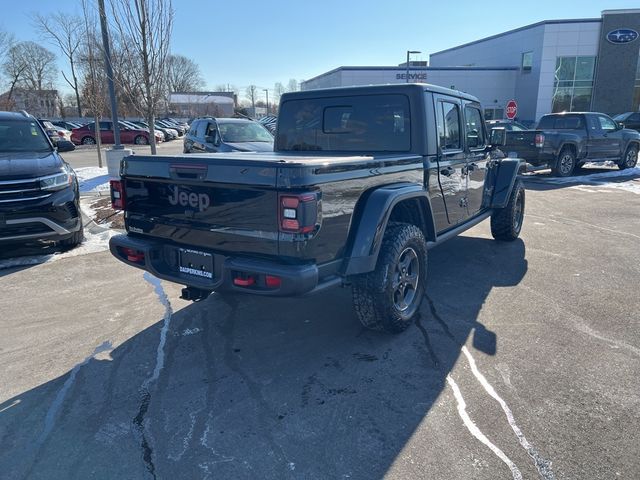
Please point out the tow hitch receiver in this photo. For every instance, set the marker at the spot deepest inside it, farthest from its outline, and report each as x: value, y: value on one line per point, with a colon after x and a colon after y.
x: 194, y: 294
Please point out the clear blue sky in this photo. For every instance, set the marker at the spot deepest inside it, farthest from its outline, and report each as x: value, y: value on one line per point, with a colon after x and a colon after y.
x: 245, y: 42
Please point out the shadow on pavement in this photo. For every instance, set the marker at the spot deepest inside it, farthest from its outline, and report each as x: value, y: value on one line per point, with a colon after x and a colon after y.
x: 259, y: 388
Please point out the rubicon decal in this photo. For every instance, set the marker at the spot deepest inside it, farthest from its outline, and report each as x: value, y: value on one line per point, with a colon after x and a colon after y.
x: 622, y: 35
x: 201, y: 201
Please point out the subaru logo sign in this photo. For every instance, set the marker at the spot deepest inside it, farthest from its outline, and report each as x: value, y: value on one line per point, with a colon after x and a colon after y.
x: 622, y: 35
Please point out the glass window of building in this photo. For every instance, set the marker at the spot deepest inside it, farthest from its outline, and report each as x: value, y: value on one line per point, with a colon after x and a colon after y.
x: 573, y: 84
x: 527, y: 61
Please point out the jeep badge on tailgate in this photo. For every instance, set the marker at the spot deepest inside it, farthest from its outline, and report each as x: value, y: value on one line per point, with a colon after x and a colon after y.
x: 201, y: 201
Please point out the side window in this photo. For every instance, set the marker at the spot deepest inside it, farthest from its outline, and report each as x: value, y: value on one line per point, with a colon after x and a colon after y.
x: 211, y: 129
x: 194, y: 128
x: 448, y: 118
x: 105, y: 125
x: 593, y: 124
x: 635, y: 117
x: 473, y: 127
x: 606, y: 124
x: 202, y: 128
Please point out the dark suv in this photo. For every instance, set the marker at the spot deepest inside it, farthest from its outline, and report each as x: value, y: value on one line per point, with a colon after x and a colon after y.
x: 39, y: 195
x: 227, y: 135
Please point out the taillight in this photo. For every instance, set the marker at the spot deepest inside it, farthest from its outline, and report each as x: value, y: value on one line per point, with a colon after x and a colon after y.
x: 539, y: 140
x: 299, y: 213
x: 117, y: 194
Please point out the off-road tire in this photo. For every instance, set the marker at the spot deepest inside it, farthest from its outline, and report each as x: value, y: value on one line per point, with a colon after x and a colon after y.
x: 88, y: 141
x: 565, y: 163
x: 630, y: 158
x: 506, y: 223
x: 141, y: 140
x: 375, y: 294
x: 73, y: 241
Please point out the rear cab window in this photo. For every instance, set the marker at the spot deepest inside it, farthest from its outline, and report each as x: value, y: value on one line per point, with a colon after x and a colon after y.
x: 474, y: 131
x: 359, y: 123
x: 561, y: 122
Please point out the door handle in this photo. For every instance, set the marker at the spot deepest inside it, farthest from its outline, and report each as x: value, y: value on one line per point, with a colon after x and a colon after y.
x: 447, y: 172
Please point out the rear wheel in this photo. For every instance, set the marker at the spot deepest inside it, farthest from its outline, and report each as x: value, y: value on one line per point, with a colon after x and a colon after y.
x: 88, y: 141
x: 388, y: 298
x: 141, y: 140
x: 506, y: 222
x: 565, y: 163
x: 630, y: 158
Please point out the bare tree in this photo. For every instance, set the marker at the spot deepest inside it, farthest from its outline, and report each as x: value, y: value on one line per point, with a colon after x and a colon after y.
x: 252, y: 93
x: 92, y: 68
x: 41, y: 66
x: 6, y: 42
x: 278, y: 90
x: 65, y: 31
x: 143, y: 32
x: 292, y: 86
x: 13, y: 68
x: 183, y: 74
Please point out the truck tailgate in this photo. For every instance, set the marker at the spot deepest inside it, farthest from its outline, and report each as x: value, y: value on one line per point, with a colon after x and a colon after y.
x: 217, y: 203
x: 523, y: 144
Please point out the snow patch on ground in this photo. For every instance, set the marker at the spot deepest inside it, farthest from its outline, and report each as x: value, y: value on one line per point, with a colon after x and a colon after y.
x: 93, y: 179
x: 600, y: 181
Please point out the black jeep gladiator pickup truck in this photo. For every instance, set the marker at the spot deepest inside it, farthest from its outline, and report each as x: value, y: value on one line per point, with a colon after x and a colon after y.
x: 565, y: 141
x: 362, y: 182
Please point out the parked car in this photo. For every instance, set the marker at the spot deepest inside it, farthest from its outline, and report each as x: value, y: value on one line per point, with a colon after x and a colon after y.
x: 66, y: 125
x: 629, y: 120
x: 227, y: 135
x: 269, y: 122
x: 185, y: 125
x: 179, y: 128
x: 362, y: 182
x: 565, y: 141
x: 86, y: 135
x: 134, y: 126
x: 508, y: 125
x: 39, y: 194
x: 54, y: 132
x: 169, y: 133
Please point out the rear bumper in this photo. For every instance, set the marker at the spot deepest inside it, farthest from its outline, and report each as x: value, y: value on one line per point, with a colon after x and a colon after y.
x: 161, y: 259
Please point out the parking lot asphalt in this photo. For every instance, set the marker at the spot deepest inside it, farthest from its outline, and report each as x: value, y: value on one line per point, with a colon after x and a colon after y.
x: 87, y: 156
x: 524, y: 364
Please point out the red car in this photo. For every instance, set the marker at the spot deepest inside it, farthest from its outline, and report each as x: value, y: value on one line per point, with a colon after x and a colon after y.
x: 86, y: 135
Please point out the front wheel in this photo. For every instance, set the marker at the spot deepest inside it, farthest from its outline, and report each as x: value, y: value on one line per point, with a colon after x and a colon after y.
x: 630, y: 158
x: 506, y: 222
x: 141, y: 140
x: 88, y: 141
x: 388, y: 298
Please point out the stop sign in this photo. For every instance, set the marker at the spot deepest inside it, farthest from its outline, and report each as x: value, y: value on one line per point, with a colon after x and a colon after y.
x: 512, y: 109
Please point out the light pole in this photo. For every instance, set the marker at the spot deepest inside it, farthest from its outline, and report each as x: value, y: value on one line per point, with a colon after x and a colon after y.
x: 109, y: 69
x: 265, y: 90
x: 409, y: 52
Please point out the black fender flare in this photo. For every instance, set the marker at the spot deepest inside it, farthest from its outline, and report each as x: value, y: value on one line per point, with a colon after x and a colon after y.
x: 367, y: 229
x: 504, y: 180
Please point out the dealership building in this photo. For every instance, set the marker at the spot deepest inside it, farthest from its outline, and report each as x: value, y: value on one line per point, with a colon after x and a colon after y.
x: 549, y: 66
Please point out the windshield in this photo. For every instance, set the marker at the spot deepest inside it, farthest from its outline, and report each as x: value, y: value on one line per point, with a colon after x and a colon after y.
x: 622, y: 117
x: 237, y: 132
x: 22, y: 136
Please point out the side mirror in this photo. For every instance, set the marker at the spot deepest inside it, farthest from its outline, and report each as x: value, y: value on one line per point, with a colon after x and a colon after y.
x: 473, y: 139
x: 620, y: 125
x: 498, y: 137
x: 65, y: 146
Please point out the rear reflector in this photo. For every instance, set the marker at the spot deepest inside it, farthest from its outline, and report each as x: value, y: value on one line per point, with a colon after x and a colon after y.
x: 272, y: 282
x: 539, y: 140
x: 244, y: 282
x: 132, y: 255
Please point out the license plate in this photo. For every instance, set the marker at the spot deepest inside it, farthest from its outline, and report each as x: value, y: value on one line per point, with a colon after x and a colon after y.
x: 196, y: 263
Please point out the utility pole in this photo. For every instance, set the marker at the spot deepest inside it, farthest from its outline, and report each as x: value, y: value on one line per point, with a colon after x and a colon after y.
x: 109, y: 68
x: 266, y: 90
x: 409, y: 52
